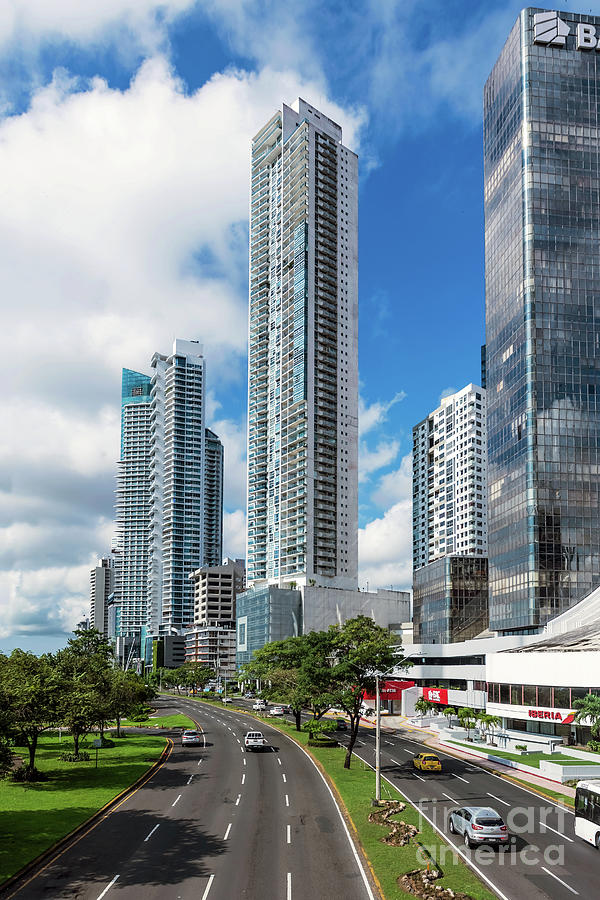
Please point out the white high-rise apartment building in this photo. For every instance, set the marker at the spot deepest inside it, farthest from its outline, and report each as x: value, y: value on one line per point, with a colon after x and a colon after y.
x: 102, y: 584
x: 303, y: 362
x: 450, y: 479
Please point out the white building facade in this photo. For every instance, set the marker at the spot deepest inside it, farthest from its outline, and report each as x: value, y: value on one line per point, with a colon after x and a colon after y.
x: 303, y: 363
x: 102, y: 585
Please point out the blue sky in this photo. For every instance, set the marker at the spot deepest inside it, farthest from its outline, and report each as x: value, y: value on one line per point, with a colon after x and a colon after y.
x: 124, y: 149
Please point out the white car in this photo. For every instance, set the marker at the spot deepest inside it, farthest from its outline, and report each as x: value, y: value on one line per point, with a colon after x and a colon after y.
x: 254, y: 740
x: 191, y: 737
x: 276, y: 711
x: 259, y: 704
x: 226, y: 699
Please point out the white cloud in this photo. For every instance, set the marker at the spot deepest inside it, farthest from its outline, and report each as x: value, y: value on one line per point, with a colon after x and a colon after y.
x: 385, y: 544
x: 371, y: 415
x: 447, y: 392
x: 396, y: 485
x: 123, y: 224
x: 234, y: 534
x: 370, y: 461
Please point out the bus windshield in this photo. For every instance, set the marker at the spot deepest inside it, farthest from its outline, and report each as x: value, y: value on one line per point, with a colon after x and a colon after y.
x: 587, y: 803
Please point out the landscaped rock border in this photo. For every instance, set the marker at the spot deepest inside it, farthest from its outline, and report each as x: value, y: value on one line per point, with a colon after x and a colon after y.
x: 400, y: 832
x: 421, y: 883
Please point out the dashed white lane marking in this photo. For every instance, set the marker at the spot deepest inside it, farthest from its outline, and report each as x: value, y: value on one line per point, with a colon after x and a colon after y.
x: 289, y: 886
x: 289, y: 835
x: 176, y: 800
x: 238, y: 740
x: 461, y: 778
x: 226, y: 835
x: 199, y: 761
x: 208, y: 887
x: 564, y: 883
x: 395, y: 761
x: 243, y: 777
x: 239, y: 797
x: 189, y: 781
x: 449, y: 797
x: 108, y: 887
x: 244, y: 761
x: 545, y: 825
x: 504, y: 803
x: 406, y: 751
x: 418, y: 776
x: 151, y: 833
x: 287, y: 800
x: 391, y: 743
x: 278, y: 760
x: 283, y: 776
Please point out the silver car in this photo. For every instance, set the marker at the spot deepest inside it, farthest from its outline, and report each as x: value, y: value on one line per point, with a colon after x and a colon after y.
x: 479, y: 825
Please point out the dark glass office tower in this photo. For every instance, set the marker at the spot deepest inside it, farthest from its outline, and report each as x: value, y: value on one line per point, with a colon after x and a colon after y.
x: 542, y: 232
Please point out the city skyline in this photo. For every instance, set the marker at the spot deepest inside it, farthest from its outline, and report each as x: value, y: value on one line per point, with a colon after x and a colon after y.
x: 124, y: 162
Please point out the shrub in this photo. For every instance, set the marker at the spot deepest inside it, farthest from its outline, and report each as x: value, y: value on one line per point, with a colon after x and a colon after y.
x: 23, y: 773
x: 82, y: 756
x: 520, y: 746
x: 594, y: 745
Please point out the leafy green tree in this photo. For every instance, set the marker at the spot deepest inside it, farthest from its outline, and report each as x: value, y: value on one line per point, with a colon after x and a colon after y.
x: 195, y: 675
x: 588, y: 707
x: 360, y: 649
x: 318, y: 727
x: 423, y: 706
x: 449, y: 712
x: 127, y: 692
x: 83, y: 668
x: 31, y: 690
x: 6, y: 728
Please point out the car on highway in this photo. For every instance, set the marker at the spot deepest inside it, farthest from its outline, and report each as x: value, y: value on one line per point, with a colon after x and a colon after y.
x: 226, y: 699
x: 191, y: 737
x: 259, y: 704
x: 479, y: 825
x: 427, y: 762
x: 276, y: 711
x: 341, y: 725
x: 249, y: 695
x: 255, y: 740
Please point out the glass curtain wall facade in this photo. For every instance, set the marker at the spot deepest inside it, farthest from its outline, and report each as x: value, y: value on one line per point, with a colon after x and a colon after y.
x: 303, y: 365
x: 133, y: 504
x: 450, y: 598
x: 542, y: 234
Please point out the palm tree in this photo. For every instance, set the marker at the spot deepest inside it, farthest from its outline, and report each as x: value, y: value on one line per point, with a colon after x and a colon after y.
x: 492, y: 724
x: 588, y: 707
x: 449, y: 712
x: 467, y: 719
x: 423, y: 706
x: 482, y: 717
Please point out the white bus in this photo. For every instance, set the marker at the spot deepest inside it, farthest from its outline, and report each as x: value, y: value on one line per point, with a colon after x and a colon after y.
x: 587, y: 812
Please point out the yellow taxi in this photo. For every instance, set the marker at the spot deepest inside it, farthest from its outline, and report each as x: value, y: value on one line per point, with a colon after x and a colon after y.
x: 427, y: 762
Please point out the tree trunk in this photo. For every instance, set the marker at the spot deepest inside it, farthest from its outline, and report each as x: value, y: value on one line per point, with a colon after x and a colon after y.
x: 298, y: 714
x: 354, y: 723
x: 118, y: 726
x: 32, y: 747
x: 76, y: 743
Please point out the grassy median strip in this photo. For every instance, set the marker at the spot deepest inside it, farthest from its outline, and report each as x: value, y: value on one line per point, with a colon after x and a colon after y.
x: 33, y: 817
x: 175, y: 721
x: 356, y: 787
x: 527, y: 759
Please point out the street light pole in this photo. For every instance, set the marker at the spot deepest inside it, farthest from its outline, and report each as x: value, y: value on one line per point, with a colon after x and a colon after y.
x: 377, y: 741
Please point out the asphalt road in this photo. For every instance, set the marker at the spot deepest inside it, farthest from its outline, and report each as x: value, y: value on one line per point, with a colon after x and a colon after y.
x: 546, y: 859
x: 215, y: 823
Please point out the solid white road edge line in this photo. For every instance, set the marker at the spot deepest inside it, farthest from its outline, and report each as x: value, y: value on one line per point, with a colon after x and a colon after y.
x: 344, y: 826
x: 107, y: 888
x: 151, y: 833
x: 208, y: 887
x: 226, y: 835
x: 458, y: 850
x: 176, y: 800
x: 564, y: 883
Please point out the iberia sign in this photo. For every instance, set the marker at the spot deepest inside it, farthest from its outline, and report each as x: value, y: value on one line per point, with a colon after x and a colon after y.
x: 551, y: 31
x: 551, y: 715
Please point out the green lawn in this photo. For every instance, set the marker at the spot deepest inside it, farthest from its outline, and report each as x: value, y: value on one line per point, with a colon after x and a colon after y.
x: 357, y: 787
x: 34, y: 816
x: 175, y: 721
x: 528, y: 759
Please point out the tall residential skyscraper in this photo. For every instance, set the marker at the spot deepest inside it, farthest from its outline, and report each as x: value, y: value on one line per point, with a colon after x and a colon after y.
x: 169, y: 493
x: 303, y: 365
x: 450, y: 519
x: 133, y: 505
x: 102, y: 585
x: 213, y: 499
x: 542, y: 223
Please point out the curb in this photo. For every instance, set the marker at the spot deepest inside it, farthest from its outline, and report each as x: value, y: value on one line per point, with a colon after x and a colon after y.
x: 47, y: 856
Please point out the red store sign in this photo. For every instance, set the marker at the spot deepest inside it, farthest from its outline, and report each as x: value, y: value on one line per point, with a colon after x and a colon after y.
x: 391, y: 690
x: 551, y: 715
x: 436, y: 695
